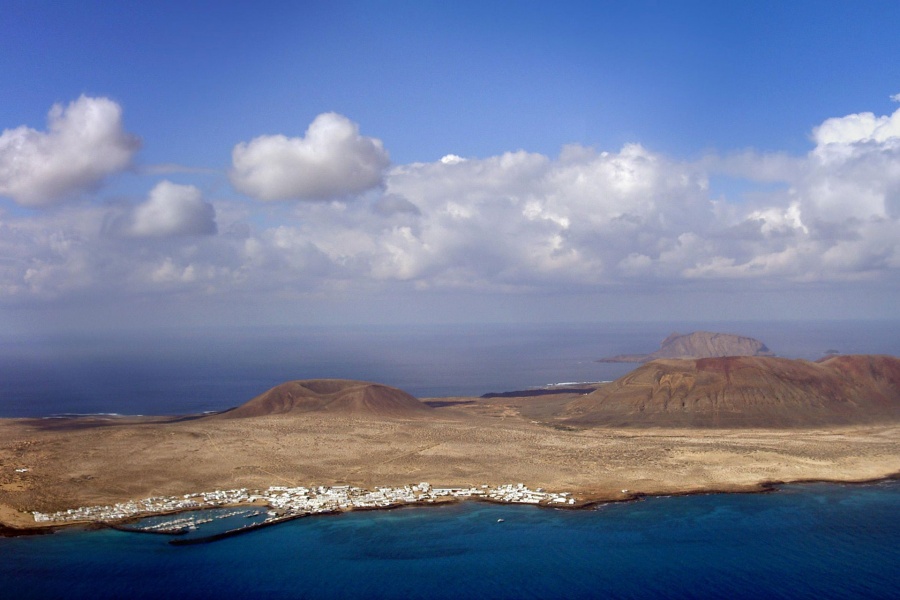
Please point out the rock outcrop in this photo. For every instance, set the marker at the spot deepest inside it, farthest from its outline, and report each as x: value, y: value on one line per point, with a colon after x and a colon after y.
x: 699, y: 344
x: 746, y: 392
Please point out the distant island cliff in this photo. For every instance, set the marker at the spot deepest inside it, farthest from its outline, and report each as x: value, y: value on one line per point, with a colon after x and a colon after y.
x: 699, y: 344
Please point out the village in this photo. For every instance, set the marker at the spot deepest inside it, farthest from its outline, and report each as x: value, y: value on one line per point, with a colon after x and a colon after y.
x: 285, y: 501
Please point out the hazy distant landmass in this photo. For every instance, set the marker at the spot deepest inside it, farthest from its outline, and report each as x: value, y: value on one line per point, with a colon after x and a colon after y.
x: 747, y: 391
x: 699, y: 344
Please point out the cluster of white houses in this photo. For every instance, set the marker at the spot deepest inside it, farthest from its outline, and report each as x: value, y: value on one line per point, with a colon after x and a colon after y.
x: 284, y: 501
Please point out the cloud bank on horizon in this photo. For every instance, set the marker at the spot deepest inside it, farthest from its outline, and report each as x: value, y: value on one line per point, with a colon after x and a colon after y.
x: 328, y: 213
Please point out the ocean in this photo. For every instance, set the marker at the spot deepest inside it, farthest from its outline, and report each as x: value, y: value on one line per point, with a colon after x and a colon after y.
x: 801, y: 541
x: 179, y: 372
x: 811, y: 541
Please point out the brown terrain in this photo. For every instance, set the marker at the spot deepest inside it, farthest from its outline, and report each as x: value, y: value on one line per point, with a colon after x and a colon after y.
x: 331, y: 395
x: 745, y: 391
x: 834, y: 420
x: 700, y: 344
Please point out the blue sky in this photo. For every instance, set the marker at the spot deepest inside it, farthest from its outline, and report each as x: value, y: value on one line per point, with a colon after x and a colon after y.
x: 281, y: 162
x: 470, y: 78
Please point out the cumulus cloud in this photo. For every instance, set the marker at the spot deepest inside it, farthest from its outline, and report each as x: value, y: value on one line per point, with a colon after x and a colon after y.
x: 516, y: 222
x: 65, y: 255
x: 523, y: 219
x: 778, y: 220
x: 330, y: 161
x: 857, y: 128
x: 837, y: 218
x: 170, y: 210
x: 84, y: 143
x: 854, y: 170
x: 173, y: 210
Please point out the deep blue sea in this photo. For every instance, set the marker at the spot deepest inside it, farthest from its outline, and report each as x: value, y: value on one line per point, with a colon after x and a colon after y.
x: 802, y: 541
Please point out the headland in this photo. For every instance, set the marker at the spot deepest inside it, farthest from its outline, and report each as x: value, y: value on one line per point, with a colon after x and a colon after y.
x: 375, y: 440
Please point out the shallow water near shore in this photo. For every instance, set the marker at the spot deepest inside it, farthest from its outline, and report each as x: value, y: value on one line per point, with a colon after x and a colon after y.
x: 802, y: 541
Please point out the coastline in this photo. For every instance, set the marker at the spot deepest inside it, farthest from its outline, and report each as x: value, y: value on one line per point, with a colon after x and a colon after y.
x: 67, y: 464
x: 581, y: 503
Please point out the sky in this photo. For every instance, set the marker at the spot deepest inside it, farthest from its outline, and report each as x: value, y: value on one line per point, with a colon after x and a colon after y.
x: 219, y: 164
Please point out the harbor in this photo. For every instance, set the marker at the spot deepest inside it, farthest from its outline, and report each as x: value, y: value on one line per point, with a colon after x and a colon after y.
x: 190, y: 513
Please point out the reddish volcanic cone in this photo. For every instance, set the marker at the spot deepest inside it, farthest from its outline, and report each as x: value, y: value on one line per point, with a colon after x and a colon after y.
x: 331, y: 395
x: 745, y: 391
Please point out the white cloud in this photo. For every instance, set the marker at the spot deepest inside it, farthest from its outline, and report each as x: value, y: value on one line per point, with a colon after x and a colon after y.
x: 523, y: 219
x: 173, y: 210
x: 330, y: 161
x: 167, y: 272
x: 48, y: 256
x: 857, y: 128
x: 778, y: 220
x: 84, y: 143
x: 829, y: 220
x: 854, y: 170
x: 518, y: 222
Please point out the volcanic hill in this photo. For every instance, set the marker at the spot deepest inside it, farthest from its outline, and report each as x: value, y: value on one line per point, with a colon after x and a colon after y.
x: 330, y: 395
x: 699, y: 344
x: 744, y: 391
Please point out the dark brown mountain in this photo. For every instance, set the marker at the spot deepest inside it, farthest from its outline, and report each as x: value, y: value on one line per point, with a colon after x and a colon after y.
x: 331, y: 395
x: 699, y: 344
x: 747, y: 392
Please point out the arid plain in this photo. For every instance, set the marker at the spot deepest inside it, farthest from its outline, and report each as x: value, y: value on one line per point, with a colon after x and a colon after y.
x: 54, y: 464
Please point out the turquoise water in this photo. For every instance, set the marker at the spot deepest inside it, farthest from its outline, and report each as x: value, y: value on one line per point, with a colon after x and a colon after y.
x: 803, y: 541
